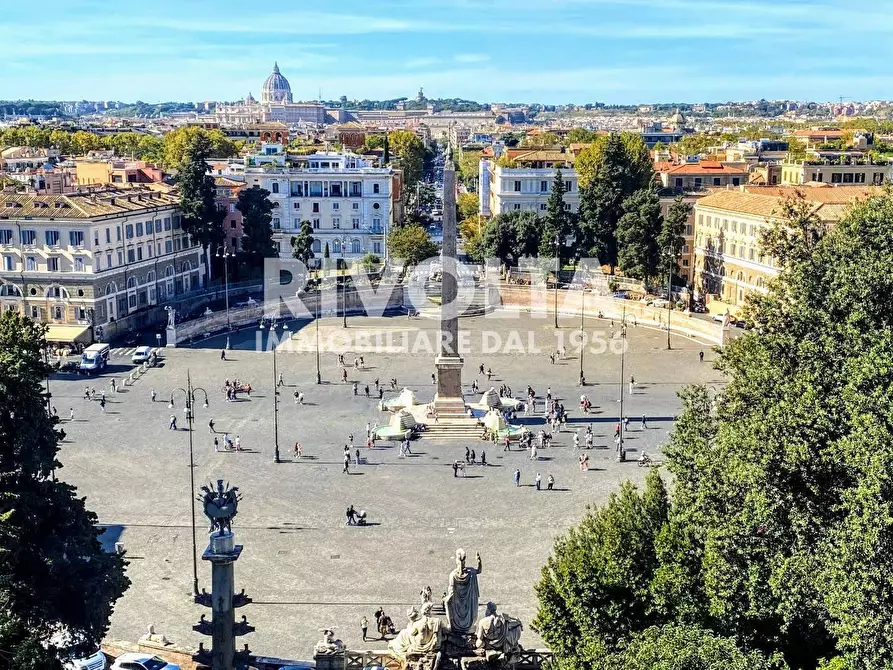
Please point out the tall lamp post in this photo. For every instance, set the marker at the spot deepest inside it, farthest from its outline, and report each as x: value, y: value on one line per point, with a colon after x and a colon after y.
x: 343, y: 282
x: 273, y: 330
x: 557, y: 271
x: 318, y: 301
x: 671, y: 263
x: 226, y: 253
x: 621, y: 455
x: 190, y: 393
x: 582, y: 325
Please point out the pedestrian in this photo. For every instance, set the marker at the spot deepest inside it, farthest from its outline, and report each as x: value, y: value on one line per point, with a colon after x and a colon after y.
x: 367, y: 390
x: 552, y: 359
x: 467, y: 454
x: 701, y: 356
x: 517, y: 478
x: 211, y: 430
x: 455, y: 468
x: 625, y: 423
x: 506, y: 444
x: 280, y: 381
x: 481, y: 369
x: 349, y: 440
x: 238, y: 443
x: 577, y: 440
x: 376, y: 384
x: 617, y: 430
x: 358, y: 456
x: 433, y: 378
x: 489, y: 374
x: 172, y: 423
x: 223, y: 354
x: 483, y: 457
x: 472, y: 456
x: 113, y: 385
x: 434, y: 415
x: 102, y: 405
x: 299, y: 450
x: 406, y: 446
x: 346, y: 469
x: 549, y: 394
x: 644, y: 425
x: 632, y: 384
x: 87, y: 393
x: 537, y: 481
x: 368, y: 429
x: 550, y: 482
x: 295, y: 395
x: 153, y: 395
x: 301, y: 398
x: 216, y: 445
x: 381, y: 393
x: 589, y: 440
x: 364, y: 626
x: 362, y: 363
x: 344, y: 375
x: 356, y: 388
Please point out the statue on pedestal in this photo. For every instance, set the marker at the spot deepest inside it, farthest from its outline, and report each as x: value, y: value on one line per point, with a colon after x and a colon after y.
x: 461, y: 602
x: 418, y: 645
x: 497, y: 636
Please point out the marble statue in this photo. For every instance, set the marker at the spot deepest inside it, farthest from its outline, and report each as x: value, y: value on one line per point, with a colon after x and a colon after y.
x: 328, y: 644
x: 171, y: 317
x: 420, y: 638
x: 497, y: 635
x: 461, y: 602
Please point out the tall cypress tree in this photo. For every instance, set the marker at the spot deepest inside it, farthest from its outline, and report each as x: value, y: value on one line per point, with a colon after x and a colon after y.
x: 257, y: 215
x: 637, y: 233
x: 201, y: 219
x: 671, y: 238
x: 555, y: 223
x: 54, y: 574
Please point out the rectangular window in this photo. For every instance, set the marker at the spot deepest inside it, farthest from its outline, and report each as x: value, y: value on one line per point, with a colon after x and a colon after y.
x: 516, y: 206
x: 315, y: 222
x: 149, y: 250
x: 836, y: 178
x: 98, y: 262
x: 356, y: 189
x: 336, y: 206
x: 543, y: 207
x: 120, y: 258
x: 149, y: 229
x: 697, y: 182
x: 297, y: 189
x: 53, y: 264
x: 6, y: 236
x: 335, y: 190
x: 736, y: 181
x: 336, y: 222
x: 139, y: 228
x: 167, y: 224
x: 376, y: 247
x: 58, y: 313
x: 688, y: 229
x: 296, y: 205
x: 131, y: 257
x: 568, y: 186
x: 518, y: 187
x: 118, y: 233
x: 139, y: 252
x: 376, y: 188
x: 276, y: 223
x: 316, y: 189
x: 108, y: 236
x: 76, y: 238
x: 355, y: 222
x: 79, y: 264
x: 8, y: 263
x: 168, y: 246
x: 717, y: 181
x: 108, y: 261
x: 356, y: 206
x: 29, y: 237
x: 316, y: 208
x: 95, y: 238
x: 177, y: 244
x: 544, y: 187
x: 52, y: 238
x: 128, y: 231
x: 848, y: 178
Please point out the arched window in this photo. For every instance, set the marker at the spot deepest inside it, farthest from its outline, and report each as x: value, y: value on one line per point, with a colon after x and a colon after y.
x: 10, y: 291
x: 187, y: 266
x: 169, y: 271
x: 131, y: 282
x: 740, y: 276
x: 275, y: 187
x: 57, y: 292
x: 316, y: 246
x: 111, y: 288
x: 336, y: 246
x: 150, y: 277
x: 355, y: 246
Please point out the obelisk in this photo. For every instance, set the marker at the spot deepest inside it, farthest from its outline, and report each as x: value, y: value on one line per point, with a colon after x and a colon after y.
x: 448, y: 401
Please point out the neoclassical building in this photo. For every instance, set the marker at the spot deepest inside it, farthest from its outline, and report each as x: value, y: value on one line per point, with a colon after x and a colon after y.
x: 276, y: 104
x: 93, y: 264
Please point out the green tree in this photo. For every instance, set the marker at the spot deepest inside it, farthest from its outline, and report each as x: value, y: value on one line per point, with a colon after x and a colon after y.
x: 54, y: 573
x: 467, y: 167
x: 412, y: 244
x: 637, y: 233
x: 201, y: 218
x: 671, y: 238
x: 370, y: 262
x: 673, y: 647
x: 466, y: 206
x: 302, y: 243
x: 410, y: 152
x: 257, y: 217
x: 177, y: 145
x: 581, y: 136
x: 594, y: 590
x: 556, y: 223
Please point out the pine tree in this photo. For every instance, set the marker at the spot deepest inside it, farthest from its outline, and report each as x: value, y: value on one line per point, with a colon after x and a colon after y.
x: 637, y: 233
x: 671, y: 238
x: 302, y: 243
x: 555, y: 223
x: 54, y: 574
x: 201, y: 218
x: 257, y: 231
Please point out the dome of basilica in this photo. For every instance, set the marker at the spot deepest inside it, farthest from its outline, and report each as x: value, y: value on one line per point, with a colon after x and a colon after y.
x: 276, y: 88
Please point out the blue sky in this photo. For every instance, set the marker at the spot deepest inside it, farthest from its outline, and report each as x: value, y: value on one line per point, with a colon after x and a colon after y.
x: 552, y: 51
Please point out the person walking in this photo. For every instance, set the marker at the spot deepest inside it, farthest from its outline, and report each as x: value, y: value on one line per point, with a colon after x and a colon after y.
x: 644, y: 424
x: 483, y: 457
x: 238, y: 443
x: 102, y: 405
x: 172, y: 423
x: 433, y: 378
x: 299, y: 450
x: 517, y: 478
x: 356, y: 388
x: 472, y: 456
x: 589, y: 440
x: 346, y: 469
x: 367, y: 390
x: 467, y: 454
x: 344, y: 375
x: 481, y: 369
x: 280, y: 381
x: 357, y: 455
x: 537, y: 481
x: 455, y: 468
x: 364, y: 627
x: 211, y: 430
x: 223, y: 354
x: 550, y: 482
x: 506, y: 444
x: 153, y: 395
x: 701, y: 356
x: 489, y: 374
x: 216, y: 445
x: 113, y: 385
x: 632, y: 384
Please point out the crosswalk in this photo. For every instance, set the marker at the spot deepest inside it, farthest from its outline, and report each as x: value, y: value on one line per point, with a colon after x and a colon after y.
x: 123, y: 351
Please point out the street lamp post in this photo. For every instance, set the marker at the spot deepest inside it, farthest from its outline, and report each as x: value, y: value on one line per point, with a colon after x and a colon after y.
x: 670, y: 264
x: 557, y: 271
x: 275, y: 393
x: 318, y: 301
x: 621, y: 455
x: 226, y: 254
x: 343, y: 283
x: 189, y: 392
x: 582, y: 326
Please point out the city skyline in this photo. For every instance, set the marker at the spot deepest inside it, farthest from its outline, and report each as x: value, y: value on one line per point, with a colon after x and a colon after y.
x: 613, y: 51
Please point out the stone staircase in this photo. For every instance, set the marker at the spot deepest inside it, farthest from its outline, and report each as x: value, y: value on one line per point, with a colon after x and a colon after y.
x: 451, y: 429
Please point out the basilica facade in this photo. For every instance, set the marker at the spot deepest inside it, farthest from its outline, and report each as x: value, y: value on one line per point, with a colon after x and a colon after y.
x: 276, y: 104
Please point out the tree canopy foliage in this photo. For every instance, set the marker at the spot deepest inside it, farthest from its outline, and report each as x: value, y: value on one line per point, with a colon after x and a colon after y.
x: 201, y: 218
x: 257, y: 217
x: 55, y: 576
x: 778, y: 534
x: 412, y: 244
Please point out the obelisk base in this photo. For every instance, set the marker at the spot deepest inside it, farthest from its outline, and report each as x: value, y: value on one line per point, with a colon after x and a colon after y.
x: 448, y: 400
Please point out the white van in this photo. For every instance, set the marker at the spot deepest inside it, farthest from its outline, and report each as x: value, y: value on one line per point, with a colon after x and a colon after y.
x: 97, y: 661
x: 141, y: 355
x: 95, y: 358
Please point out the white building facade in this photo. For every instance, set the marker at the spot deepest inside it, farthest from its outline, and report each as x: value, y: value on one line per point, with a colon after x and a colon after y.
x: 348, y: 203
x: 506, y: 189
x: 93, y: 260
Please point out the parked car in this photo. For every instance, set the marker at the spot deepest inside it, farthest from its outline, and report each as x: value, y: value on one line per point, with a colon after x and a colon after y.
x: 660, y: 303
x: 96, y: 661
x: 740, y: 323
x: 69, y: 366
x: 140, y: 661
x: 141, y: 355
x: 621, y: 295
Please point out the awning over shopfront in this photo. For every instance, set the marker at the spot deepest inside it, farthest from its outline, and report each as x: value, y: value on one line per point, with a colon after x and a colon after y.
x: 66, y: 334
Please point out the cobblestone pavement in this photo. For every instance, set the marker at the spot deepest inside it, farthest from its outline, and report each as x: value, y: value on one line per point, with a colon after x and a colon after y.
x: 304, y: 568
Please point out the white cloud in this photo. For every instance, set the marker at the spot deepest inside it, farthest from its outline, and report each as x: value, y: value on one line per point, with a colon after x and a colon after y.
x: 471, y: 58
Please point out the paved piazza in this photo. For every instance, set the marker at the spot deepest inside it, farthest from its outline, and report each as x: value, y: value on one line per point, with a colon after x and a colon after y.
x: 302, y: 566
